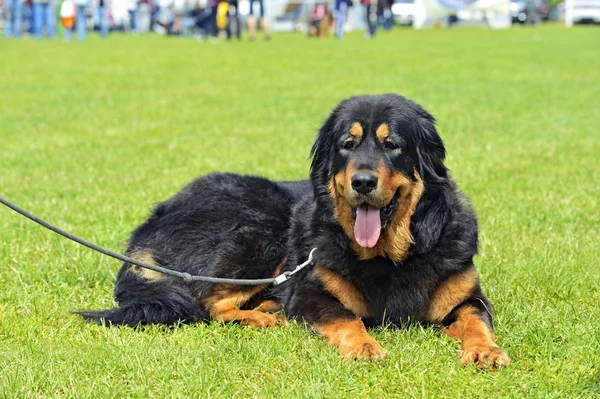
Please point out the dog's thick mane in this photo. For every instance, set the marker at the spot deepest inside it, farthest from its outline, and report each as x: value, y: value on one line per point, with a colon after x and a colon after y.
x: 427, y: 215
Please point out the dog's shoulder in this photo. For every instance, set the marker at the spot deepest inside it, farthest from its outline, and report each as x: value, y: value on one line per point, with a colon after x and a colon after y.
x: 444, y: 215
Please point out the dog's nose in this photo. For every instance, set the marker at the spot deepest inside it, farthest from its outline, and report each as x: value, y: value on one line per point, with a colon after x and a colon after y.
x: 364, y: 182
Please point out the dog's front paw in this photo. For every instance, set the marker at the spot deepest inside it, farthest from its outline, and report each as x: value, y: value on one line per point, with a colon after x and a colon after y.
x: 484, y: 357
x: 362, y: 348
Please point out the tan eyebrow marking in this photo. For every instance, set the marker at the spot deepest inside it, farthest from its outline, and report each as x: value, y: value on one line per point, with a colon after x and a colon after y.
x: 356, y: 130
x: 382, y: 132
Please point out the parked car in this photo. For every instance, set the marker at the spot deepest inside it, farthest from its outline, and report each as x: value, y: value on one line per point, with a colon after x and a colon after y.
x: 404, y: 11
x: 529, y: 11
x: 586, y: 11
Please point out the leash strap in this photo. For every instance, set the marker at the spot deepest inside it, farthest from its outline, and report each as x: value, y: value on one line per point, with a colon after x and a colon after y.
x: 188, y: 278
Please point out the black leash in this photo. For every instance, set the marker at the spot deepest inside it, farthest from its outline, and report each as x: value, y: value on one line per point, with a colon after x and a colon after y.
x: 183, y: 275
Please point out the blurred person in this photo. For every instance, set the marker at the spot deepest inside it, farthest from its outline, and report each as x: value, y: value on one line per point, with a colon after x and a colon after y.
x: 222, y: 14
x: 162, y: 17
x: 370, y: 12
x: 384, y: 11
x: 235, y: 18
x: 144, y: 12
x: 68, y: 14
x: 102, y: 15
x: 132, y: 10
x: 155, y: 6
x: 341, y: 11
x: 252, y: 21
x: 212, y: 29
x: 181, y: 9
x: 201, y: 14
x: 43, y: 17
x: 28, y: 14
x: 120, y: 14
x: 80, y: 19
x: 533, y: 12
x: 14, y: 16
x: 187, y: 22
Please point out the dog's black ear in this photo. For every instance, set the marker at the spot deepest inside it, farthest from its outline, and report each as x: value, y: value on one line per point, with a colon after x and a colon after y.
x: 430, y: 149
x: 430, y: 217
x: 322, y: 154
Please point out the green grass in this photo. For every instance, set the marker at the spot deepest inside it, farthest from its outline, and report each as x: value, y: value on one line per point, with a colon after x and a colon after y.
x: 93, y: 134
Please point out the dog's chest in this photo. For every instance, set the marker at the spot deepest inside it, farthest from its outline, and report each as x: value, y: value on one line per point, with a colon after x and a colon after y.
x: 395, y: 294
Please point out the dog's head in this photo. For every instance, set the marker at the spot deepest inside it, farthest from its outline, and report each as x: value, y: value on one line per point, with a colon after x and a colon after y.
x: 371, y: 160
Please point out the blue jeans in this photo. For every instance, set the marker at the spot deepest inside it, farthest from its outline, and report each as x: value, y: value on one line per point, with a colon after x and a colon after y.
x: 103, y: 21
x: 15, y: 14
x: 133, y: 20
x: 80, y: 22
x: 43, y: 15
x: 340, y: 18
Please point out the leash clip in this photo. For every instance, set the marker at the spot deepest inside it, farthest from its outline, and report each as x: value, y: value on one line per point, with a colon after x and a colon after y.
x: 282, y: 278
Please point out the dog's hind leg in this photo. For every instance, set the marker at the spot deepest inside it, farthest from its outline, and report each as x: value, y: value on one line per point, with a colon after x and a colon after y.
x: 225, y: 304
x: 244, y: 305
x: 264, y: 305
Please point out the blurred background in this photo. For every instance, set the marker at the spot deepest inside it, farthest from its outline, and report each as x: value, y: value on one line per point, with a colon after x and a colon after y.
x: 216, y: 19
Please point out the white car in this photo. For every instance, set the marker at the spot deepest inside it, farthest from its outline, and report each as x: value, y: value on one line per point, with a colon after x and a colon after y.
x: 585, y: 11
x: 404, y: 11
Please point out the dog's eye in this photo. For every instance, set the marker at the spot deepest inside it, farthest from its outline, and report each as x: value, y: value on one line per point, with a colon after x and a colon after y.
x: 349, y: 144
x: 391, y: 145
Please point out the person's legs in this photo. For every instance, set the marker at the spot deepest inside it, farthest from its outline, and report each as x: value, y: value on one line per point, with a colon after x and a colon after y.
x: 387, y: 19
x: 9, y: 27
x: 18, y: 16
x: 13, y: 22
x: 236, y: 18
x: 37, y: 20
x: 68, y: 34
x: 103, y: 20
x: 133, y: 20
x: 48, y: 17
x: 340, y: 19
x: 28, y: 14
x: 233, y: 20
x: 252, y: 22
x: 80, y: 22
x: 370, y: 20
x: 212, y: 25
x: 263, y: 20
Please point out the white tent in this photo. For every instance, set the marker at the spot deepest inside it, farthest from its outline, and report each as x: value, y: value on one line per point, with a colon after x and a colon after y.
x: 495, y: 13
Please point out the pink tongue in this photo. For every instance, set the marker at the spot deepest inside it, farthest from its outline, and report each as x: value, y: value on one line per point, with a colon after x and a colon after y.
x: 367, y: 226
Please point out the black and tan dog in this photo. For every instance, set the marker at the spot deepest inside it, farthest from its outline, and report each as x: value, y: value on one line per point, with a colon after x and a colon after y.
x: 395, y: 241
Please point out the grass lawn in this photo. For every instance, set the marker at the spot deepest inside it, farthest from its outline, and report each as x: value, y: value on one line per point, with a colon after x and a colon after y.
x: 93, y: 134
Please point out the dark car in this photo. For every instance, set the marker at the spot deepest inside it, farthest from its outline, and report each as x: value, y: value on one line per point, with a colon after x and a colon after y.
x: 529, y: 11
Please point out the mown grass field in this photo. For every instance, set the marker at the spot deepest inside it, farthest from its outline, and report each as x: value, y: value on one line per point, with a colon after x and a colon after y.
x: 93, y: 134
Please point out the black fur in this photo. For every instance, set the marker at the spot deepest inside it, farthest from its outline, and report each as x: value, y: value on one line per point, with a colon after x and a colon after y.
x: 232, y: 226
x: 444, y: 226
x: 220, y: 225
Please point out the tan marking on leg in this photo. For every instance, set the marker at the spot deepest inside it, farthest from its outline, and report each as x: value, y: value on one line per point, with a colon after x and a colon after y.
x: 345, y: 292
x: 356, y: 131
x: 224, y: 304
x: 265, y: 305
x: 382, y: 132
x: 351, y: 339
x: 452, y: 292
x: 477, y: 340
x: 148, y: 274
